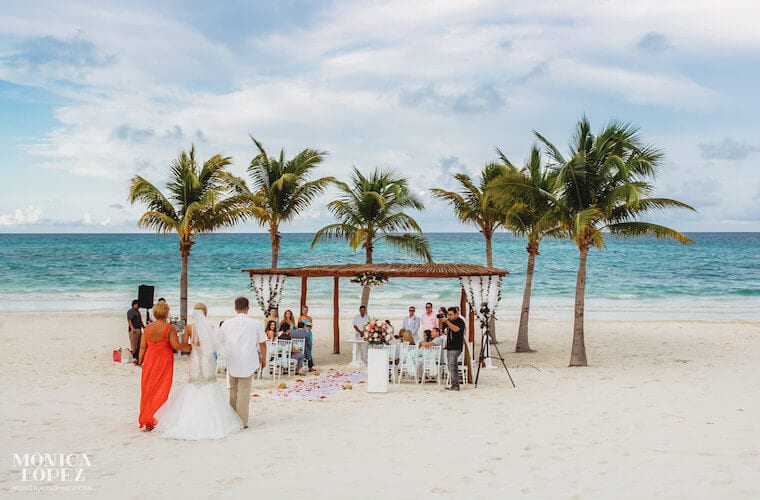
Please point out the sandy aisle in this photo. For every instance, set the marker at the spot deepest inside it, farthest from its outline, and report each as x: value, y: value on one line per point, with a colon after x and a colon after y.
x: 667, y: 409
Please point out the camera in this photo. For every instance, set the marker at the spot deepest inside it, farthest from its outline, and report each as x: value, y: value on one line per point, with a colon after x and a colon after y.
x: 440, y: 315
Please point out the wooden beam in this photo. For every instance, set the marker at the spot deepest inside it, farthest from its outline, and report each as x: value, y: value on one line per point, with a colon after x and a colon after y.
x: 303, y: 293
x: 336, y: 316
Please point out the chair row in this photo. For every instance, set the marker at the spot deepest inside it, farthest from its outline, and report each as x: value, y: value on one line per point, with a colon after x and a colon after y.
x: 422, y: 364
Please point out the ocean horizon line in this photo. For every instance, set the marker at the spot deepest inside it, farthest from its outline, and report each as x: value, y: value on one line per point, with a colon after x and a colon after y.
x: 147, y: 233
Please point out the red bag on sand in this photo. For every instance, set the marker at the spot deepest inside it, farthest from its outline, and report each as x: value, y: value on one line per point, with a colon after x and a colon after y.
x: 117, y: 355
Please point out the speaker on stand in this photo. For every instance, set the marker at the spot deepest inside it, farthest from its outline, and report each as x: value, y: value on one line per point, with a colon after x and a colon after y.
x: 145, y: 297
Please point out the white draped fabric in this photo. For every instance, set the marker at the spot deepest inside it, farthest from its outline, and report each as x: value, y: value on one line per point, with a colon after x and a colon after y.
x: 267, y: 288
x: 481, y: 290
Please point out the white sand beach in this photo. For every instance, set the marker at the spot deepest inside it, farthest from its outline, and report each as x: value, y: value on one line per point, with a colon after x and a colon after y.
x: 665, y: 409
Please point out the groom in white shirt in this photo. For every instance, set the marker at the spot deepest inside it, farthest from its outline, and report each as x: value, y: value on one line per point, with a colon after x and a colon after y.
x: 245, y: 345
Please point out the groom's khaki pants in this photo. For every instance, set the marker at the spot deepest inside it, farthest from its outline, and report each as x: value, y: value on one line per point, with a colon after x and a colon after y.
x: 240, y: 396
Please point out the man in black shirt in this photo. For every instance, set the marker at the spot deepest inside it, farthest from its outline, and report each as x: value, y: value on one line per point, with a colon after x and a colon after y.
x: 134, y: 320
x: 454, y: 344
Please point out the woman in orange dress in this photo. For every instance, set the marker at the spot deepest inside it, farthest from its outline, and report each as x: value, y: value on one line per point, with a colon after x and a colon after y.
x: 157, y: 362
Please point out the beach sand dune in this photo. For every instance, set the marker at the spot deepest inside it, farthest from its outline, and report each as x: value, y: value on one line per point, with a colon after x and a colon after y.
x: 666, y: 409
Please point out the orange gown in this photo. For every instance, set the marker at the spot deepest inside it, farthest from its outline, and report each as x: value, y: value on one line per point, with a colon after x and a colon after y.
x: 157, y: 373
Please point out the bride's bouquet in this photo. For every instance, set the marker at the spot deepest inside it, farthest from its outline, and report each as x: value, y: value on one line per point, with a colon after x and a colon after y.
x: 377, y: 332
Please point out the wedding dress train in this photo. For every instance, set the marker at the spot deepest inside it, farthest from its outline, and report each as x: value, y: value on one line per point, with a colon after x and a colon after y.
x: 199, y: 409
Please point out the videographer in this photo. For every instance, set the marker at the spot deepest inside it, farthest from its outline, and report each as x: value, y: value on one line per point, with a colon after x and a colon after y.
x: 454, y: 344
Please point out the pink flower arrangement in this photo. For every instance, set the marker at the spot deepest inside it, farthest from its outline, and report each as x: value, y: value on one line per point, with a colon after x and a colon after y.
x: 377, y: 332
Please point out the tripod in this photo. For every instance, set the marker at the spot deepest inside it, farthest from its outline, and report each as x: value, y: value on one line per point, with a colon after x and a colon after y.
x: 484, y: 341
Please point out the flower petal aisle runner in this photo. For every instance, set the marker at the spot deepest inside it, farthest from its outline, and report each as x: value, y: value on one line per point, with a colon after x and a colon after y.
x: 318, y: 387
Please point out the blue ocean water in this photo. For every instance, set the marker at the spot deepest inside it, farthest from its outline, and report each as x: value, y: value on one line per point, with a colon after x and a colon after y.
x: 718, y: 277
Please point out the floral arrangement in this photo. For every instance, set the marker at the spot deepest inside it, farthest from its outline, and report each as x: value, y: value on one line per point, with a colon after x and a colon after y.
x: 377, y: 332
x: 370, y: 279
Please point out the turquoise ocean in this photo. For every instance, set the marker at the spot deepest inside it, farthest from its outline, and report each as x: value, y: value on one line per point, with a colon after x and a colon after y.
x: 717, y: 278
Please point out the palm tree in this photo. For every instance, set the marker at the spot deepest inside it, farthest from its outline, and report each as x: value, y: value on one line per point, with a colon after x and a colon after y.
x: 604, y: 186
x: 472, y: 206
x: 284, y: 188
x: 531, y: 213
x: 369, y: 210
x: 198, y: 200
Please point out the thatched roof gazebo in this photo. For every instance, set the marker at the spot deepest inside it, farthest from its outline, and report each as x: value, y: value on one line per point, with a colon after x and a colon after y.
x: 394, y: 270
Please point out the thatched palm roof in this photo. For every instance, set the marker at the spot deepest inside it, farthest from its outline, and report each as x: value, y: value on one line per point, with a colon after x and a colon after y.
x: 393, y: 270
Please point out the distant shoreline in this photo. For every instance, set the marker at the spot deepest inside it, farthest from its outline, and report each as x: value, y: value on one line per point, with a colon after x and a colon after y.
x: 149, y: 233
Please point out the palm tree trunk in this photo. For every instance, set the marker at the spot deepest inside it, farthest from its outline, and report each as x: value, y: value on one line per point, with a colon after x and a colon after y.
x: 489, y: 252
x: 489, y: 263
x: 184, y: 251
x: 274, y: 233
x: 522, y: 344
x: 578, y: 352
x: 368, y: 259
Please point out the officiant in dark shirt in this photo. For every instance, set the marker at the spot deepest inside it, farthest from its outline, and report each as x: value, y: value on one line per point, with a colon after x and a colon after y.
x: 134, y: 320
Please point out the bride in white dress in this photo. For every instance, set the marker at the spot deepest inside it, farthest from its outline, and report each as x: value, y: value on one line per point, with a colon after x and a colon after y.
x: 199, y: 409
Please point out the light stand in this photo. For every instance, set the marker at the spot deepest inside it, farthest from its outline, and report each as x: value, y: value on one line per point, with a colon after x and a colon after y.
x: 484, y: 341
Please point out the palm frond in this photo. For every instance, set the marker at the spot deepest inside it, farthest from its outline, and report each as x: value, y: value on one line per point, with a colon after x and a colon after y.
x: 633, y: 229
x: 414, y: 244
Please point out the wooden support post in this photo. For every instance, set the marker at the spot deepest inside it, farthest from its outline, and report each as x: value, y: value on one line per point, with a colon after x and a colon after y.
x: 303, y: 293
x: 336, y: 316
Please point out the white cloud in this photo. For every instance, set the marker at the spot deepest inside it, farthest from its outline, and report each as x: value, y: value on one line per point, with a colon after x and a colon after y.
x: 388, y: 84
x: 21, y: 216
x: 87, y: 220
x: 634, y: 86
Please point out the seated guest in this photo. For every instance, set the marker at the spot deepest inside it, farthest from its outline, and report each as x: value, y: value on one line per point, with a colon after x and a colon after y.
x: 398, y: 339
x: 271, y: 330
x: 408, y: 338
x: 295, y: 353
x: 301, y: 333
x: 427, y: 335
x: 436, y: 339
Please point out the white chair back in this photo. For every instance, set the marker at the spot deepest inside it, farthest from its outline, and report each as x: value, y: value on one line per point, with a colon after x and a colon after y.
x: 300, y: 344
x: 407, y: 361
x: 392, y: 348
x: 431, y: 363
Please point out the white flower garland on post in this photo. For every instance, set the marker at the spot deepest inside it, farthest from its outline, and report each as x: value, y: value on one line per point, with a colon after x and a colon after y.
x: 267, y: 288
x: 482, y: 290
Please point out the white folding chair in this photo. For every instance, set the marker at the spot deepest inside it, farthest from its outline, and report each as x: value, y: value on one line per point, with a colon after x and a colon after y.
x: 282, y: 355
x: 392, y: 348
x: 431, y: 363
x: 301, y: 346
x: 407, y: 362
x: 461, y: 367
x: 274, y: 367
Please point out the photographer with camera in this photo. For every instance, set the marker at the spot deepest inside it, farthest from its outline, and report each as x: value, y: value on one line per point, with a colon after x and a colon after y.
x: 454, y: 344
x: 441, y: 316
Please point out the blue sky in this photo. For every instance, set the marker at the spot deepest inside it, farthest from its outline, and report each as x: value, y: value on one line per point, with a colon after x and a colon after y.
x: 92, y: 93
